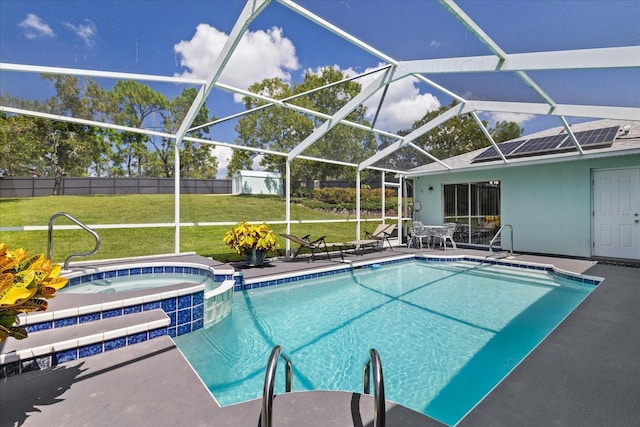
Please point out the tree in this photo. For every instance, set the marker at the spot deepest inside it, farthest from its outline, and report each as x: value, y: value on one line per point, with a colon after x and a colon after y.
x: 135, y: 105
x: 281, y: 129
x: 458, y: 135
x: 64, y: 147
x: 506, y: 131
x: 276, y: 128
x: 343, y: 143
x: 17, y: 150
x: 40, y: 147
x: 196, y: 160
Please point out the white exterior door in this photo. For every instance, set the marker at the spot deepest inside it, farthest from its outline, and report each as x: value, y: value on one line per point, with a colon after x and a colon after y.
x: 616, y: 213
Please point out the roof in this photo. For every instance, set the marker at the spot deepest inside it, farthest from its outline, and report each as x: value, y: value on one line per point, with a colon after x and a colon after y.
x: 626, y: 142
x: 257, y: 174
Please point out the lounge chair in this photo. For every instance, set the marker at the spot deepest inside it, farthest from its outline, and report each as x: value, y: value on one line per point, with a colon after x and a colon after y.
x: 381, y: 233
x: 375, y: 239
x: 314, y: 246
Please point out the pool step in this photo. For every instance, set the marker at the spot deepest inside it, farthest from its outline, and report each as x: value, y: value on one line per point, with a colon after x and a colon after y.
x: 50, y: 347
x: 183, y: 303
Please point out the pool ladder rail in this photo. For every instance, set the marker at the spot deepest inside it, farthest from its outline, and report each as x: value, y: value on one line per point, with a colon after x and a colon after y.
x: 498, y: 234
x: 372, y: 367
x: 73, y: 255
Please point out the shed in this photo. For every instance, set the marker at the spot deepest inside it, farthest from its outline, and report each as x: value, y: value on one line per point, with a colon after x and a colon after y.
x: 257, y: 182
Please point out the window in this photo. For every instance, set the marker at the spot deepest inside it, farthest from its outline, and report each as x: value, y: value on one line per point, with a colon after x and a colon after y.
x: 475, y: 206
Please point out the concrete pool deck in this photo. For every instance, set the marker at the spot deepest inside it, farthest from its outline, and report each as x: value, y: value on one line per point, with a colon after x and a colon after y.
x: 586, y: 372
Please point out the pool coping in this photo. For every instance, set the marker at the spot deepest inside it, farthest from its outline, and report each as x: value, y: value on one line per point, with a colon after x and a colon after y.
x: 348, y: 266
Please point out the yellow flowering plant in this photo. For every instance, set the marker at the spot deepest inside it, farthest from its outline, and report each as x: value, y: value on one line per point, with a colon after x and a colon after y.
x: 26, y: 283
x: 245, y: 237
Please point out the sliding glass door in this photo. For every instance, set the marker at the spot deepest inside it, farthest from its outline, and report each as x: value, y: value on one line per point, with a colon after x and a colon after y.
x: 475, y: 207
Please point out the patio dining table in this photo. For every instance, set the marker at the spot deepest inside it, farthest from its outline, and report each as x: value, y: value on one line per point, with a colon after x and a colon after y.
x: 432, y: 231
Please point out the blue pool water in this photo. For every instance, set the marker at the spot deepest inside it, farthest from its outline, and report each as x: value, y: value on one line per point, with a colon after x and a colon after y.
x: 137, y: 283
x: 447, y: 333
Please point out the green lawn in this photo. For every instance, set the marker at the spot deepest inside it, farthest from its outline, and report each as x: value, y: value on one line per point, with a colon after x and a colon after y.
x: 156, y: 208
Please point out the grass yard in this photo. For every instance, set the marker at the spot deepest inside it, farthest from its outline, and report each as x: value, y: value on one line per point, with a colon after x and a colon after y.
x: 156, y: 208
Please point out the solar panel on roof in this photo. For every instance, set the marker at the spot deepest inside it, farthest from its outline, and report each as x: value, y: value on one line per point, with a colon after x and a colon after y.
x: 594, y: 137
x: 549, y: 144
x: 539, y: 145
x: 505, y: 147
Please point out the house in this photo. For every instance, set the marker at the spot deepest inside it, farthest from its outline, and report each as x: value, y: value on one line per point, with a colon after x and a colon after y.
x: 565, y: 193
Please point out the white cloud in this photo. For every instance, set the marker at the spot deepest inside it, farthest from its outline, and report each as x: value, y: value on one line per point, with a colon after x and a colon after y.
x: 519, y: 118
x: 259, y: 55
x: 224, y: 156
x: 402, y: 113
x: 35, y: 27
x: 87, y: 31
x: 403, y: 104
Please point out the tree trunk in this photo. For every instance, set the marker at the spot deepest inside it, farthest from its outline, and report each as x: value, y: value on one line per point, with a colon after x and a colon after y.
x: 57, y: 182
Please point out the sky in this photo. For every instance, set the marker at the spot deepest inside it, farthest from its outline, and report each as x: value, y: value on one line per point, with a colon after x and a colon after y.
x: 183, y: 38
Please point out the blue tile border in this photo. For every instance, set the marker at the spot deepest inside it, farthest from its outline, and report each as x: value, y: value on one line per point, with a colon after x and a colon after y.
x: 64, y: 356
x: 39, y: 327
x: 67, y: 321
x: 89, y: 350
x: 150, y: 270
x: 115, y: 343
x: 90, y: 317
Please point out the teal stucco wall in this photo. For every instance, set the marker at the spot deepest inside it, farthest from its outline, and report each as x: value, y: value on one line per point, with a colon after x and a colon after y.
x: 549, y: 205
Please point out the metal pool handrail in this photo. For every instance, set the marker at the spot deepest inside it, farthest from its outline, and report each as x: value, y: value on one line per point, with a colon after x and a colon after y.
x: 269, y: 379
x: 81, y: 225
x: 496, y: 236
x: 373, y: 362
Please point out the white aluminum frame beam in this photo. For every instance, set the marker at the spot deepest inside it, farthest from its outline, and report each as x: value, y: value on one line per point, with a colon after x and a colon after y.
x: 251, y: 10
x: 284, y: 104
x: 38, y: 69
x: 488, y: 135
x: 85, y: 122
x: 439, y: 87
x: 577, y: 59
x: 572, y: 110
x: 572, y: 136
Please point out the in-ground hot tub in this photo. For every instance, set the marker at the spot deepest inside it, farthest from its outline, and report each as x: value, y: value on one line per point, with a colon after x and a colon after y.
x: 140, y: 278
x: 175, y: 286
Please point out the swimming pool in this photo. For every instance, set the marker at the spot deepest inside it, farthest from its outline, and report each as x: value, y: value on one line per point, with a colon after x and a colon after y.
x: 447, y: 333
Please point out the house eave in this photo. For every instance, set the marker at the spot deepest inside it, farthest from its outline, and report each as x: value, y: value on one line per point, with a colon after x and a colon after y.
x: 558, y: 158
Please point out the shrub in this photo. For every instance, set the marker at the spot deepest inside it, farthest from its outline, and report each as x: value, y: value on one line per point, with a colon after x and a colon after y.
x: 345, y: 196
x: 244, y: 237
x: 26, y: 282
